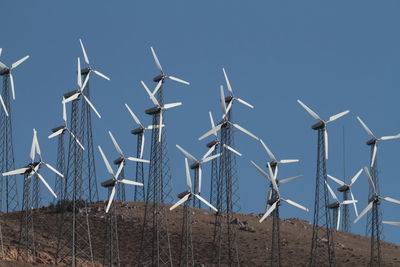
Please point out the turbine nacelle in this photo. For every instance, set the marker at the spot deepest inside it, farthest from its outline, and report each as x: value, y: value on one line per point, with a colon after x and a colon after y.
x: 5, y: 71
x: 159, y: 78
x: 137, y: 131
x: 212, y: 143
x: 343, y: 188
x: 118, y: 160
x: 152, y: 111
x: 319, y: 125
x: 184, y: 194
x: 58, y: 128
x: 85, y: 71
x: 195, y: 165
x: 372, y: 141
x: 334, y: 205
x: 273, y: 200
x: 108, y: 183
x: 375, y: 198
x: 71, y: 93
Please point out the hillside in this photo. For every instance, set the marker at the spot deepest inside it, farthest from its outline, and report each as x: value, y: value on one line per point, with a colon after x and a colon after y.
x: 351, y: 250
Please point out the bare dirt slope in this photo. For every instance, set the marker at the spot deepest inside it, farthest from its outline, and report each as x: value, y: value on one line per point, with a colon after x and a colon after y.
x: 253, y: 241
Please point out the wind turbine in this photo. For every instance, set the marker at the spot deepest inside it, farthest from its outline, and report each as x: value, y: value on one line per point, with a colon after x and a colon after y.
x: 159, y: 79
x: 346, y: 189
x: 73, y: 95
x: 374, y: 140
x: 196, y: 166
x: 336, y: 206
x: 114, y: 180
x: 322, y: 124
x: 159, y: 108
x: 33, y: 167
x: 230, y: 99
x: 87, y: 70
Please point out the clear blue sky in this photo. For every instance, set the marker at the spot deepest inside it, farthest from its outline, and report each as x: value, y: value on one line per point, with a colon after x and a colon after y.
x: 334, y: 55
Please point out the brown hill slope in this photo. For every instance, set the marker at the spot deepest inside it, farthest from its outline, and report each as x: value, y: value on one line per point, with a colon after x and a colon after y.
x: 351, y: 250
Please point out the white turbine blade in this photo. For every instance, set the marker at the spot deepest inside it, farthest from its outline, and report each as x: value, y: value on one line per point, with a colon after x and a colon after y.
x: 337, y: 116
x: 37, y: 147
x: 369, y: 132
x: 178, y: 80
x: 212, y: 122
x: 17, y: 171
x: 370, y: 181
x: 284, y: 161
x: 56, y: 133
x: 188, y: 179
x: 209, y: 151
x: 244, y: 102
x: 206, y: 202
x: 84, y: 53
x: 354, y: 179
x: 354, y: 204
x: 326, y: 143
x: 187, y: 154
x: 110, y: 200
x: 181, y: 201
x: 142, y: 147
x: 120, y: 168
x: 46, y: 184
x: 2, y: 65
x: 269, y: 211
x: 338, y: 220
x: 263, y: 173
x: 33, y: 148
x: 374, y: 150
x: 309, y: 110
x: 4, y: 105
x: 211, y: 158
x: 125, y: 181
x: 331, y: 191
x: 53, y: 169
x: 233, y: 150
x: 76, y: 139
x: 336, y: 180
x: 135, y: 118
x: 91, y: 105
x: 85, y: 81
x: 237, y: 126
x: 158, y: 86
x: 391, y: 200
x: 284, y: 181
x: 367, y: 208
x: 1, y: 50
x: 12, y: 85
x: 172, y: 105
x: 17, y: 63
x: 391, y: 223
x: 71, y: 98
x: 222, y: 100
x: 200, y: 177
x: 273, y: 178
x: 138, y: 160
x: 228, y: 84
x: 347, y: 202
x: 117, y: 147
x: 160, y: 126
x: 151, y: 127
x: 390, y: 137
x: 106, y: 162
x: 98, y: 73
x: 79, y: 74
x: 269, y: 152
x: 156, y: 60
x: 64, y: 110
x: 210, y: 132
x: 152, y: 98
x: 291, y: 202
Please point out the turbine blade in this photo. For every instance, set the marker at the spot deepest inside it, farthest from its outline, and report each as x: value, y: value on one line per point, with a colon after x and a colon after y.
x: 354, y: 179
x: 85, y: 82
x: 12, y: 86
x: 391, y: 200
x: 84, y: 52
x: 228, y: 108
x: 76, y: 139
x: 106, y: 162
x: 391, y: 223
x: 71, y: 98
x: 390, y: 137
x: 273, y: 178
x: 117, y: 147
x: 53, y: 169
x: 336, y: 180
x: 375, y: 148
x: 209, y: 151
x: 369, y: 206
x: 269, y: 211
x: 79, y: 74
x: 156, y: 60
x: 326, y: 143
x: 200, y: 177
x: 237, y: 126
x: 45, y: 183
x: 142, y: 147
x: 4, y: 105
x: 263, y: 173
x: 222, y: 100
x: 338, y: 220
x: 120, y: 168
x: 187, y: 154
x: 369, y: 132
x: 152, y: 98
x: 210, y: 132
x: 110, y: 200
x: 211, y: 158
x: 56, y: 133
x: 17, y: 63
x: 17, y: 171
x: 337, y: 116
x: 2, y: 65
x: 228, y: 84
x: 188, y: 179
x: 291, y: 202
x: 172, y: 105
x: 135, y: 118
x: 138, y: 160
x: 178, y: 80
x: 64, y: 110
x: 98, y: 73
x: 37, y: 147
x: 181, y: 201
x: 347, y: 202
x: 284, y: 161
x: 354, y: 204
x: 206, y: 202
x: 269, y: 152
x: 212, y: 122
x: 284, y: 181
x: 244, y: 102
x: 331, y: 191
x: 233, y: 150
x: 91, y: 106
x: 160, y: 126
x: 370, y: 181
x: 125, y: 181
x: 309, y: 110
